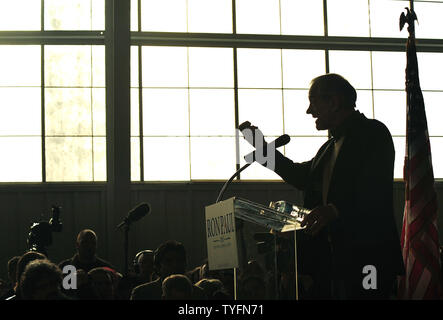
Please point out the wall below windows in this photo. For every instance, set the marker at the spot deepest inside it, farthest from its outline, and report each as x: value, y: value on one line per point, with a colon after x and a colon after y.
x: 177, y: 212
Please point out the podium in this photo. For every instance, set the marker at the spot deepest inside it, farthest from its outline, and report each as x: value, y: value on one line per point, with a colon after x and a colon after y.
x: 223, y: 233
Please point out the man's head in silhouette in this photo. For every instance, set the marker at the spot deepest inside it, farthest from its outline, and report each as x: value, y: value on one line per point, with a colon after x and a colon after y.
x: 86, y: 245
x: 176, y: 287
x: 145, y: 263
x: 170, y: 258
x: 41, y: 280
x: 331, y: 100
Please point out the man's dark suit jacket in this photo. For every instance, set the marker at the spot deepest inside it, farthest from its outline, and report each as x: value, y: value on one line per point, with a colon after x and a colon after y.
x: 361, y: 188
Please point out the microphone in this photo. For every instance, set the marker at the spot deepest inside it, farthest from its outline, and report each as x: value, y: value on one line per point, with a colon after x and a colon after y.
x: 136, y: 214
x: 251, y: 157
x: 277, y: 143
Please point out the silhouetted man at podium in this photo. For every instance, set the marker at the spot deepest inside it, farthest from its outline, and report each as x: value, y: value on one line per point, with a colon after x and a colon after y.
x: 350, y: 245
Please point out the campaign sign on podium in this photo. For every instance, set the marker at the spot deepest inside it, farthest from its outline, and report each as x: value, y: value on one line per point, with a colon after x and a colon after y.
x: 220, y: 235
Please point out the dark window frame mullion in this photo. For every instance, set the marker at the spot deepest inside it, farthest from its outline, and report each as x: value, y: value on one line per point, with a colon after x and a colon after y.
x: 43, y: 118
x: 140, y: 95
x: 140, y: 110
x: 42, y: 91
x: 236, y: 117
x: 325, y: 25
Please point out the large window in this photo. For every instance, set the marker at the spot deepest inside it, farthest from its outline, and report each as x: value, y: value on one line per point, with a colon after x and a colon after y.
x: 52, y: 114
x: 261, y: 58
x: 199, y: 68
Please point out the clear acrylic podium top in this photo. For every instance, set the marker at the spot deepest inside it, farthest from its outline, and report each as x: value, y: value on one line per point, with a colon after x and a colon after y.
x: 268, y: 217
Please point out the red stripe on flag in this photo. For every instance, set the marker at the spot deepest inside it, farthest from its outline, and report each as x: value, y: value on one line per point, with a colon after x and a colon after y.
x: 425, y: 184
x: 425, y: 214
x: 426, y: 255
x: 414, y: 276
x: 419, y: 156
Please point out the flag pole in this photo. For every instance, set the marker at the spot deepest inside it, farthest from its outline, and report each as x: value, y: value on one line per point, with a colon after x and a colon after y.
x: 419, y: 238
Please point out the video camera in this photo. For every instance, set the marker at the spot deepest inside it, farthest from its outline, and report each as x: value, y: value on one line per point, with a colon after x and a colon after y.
x: 40, y: 233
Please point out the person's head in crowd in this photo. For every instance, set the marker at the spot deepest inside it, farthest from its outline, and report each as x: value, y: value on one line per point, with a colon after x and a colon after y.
x: 226, y: 276
x: 86, y: 245
x: 170, y: 258
x: 331, y: 99
x: 101, y: 282
x: 144, y: 264
x: 211, y: 287
x: 252, y: 288
x: 12, y: 269
x: 21, y: 265
x: 177, y: 287
x: 41, y: 280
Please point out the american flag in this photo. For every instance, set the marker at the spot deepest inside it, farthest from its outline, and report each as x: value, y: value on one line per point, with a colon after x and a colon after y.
x: 419, y: 237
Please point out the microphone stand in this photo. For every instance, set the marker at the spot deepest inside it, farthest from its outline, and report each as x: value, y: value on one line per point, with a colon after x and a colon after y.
x: 223, y: 189
x: 125, y: 226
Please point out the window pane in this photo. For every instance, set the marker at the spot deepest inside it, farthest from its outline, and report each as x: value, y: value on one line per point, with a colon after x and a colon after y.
x: 98, y: 14
x: 172, y: 165
x: 355, y: 66
x: 134, y: 67
x: 390, y: 108
x: 98, y: 66
x: 13, y: 16
x: 68, y: 66
x: 302, y: 18
x: 165, y: 112
x: 263, y: 108
x: 399, y: 145
x: 430, y: 68
x: 301, y: 66
x: 434, y: 113
x: 20, y: 65
x: 134, y: 15
x: 429, y: 16
x: 210, y: 16
x: 98, y: 112
x: 23, y: 160
x: 135, y: 113
x: 68, y: 111
x: 389, y: 70
x: 364, y: 103
x: 437, y: 156
x: 74, y: 14
x: 297, y: 121
x: 384, y: 18
x: 348, y: 18
x: 258, y: 16
x: 20, y: 111
x: 211, y: 67
x: 69, y: 159
x: 302, y: 149
x: 165, y: 66
x: 212, y: 112
x: 99, y: 152
x: 212, y: 157
x: 135, y: 159
x: 259, y: 68
x: 164, y: 15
